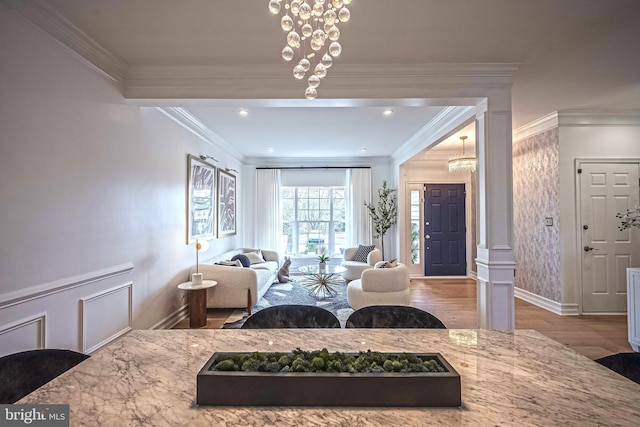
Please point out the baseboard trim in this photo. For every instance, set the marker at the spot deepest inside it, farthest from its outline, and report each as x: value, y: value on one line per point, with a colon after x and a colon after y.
x: 172, y: 319
x: 547, y: 304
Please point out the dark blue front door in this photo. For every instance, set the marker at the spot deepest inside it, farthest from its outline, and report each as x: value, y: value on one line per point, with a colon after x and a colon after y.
x: 445, y: 240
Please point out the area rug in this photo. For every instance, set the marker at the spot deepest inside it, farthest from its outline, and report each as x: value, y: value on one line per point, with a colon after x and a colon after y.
x: 295, y: 293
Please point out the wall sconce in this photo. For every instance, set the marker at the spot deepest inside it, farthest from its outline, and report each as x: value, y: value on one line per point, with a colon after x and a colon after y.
x: 231, y: 170
x: 203, y: 157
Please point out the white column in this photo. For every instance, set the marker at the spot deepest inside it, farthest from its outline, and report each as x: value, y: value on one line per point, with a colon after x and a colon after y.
x: 495, y: 260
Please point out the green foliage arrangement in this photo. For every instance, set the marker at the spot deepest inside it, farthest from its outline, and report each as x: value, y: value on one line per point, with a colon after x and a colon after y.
x: 324, y: 361
x: 323, y: 258
x: 385, y: 215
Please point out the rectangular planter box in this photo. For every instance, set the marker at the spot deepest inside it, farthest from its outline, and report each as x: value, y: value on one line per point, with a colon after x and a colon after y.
x: 236, y: 388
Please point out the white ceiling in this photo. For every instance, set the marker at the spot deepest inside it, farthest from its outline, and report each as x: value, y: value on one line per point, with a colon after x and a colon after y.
x: 575, y: 54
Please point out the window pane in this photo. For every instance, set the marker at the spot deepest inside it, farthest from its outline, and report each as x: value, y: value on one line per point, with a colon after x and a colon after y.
x: 415, y: 243
x: 309, y: 230
x: 415, y: 197
x: 415, y: 212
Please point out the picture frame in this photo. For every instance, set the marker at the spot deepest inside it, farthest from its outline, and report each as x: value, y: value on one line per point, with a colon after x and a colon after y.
x: 226, y: 204
x: 201, y: 200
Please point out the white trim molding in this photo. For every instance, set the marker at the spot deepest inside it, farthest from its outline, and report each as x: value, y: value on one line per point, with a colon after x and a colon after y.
x: 599, y: 118
x: 537, y: 126
x: 577, y: 118
x: 85, y: 316
x: 547, y: 304
x: 39, y: 320
x: 347, y: 80
x: 44, y: 16
x: 190, y: 122
x: 172, y: 319
x: 46, y: 289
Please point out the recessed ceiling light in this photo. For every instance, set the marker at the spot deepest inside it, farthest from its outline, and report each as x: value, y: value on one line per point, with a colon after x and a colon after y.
x: 363, y: 149
x: 243, y: 113
x: 388, y: 112
x: 270, y: 149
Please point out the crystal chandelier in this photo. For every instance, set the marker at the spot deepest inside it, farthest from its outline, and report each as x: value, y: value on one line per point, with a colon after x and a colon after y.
x: 312, y: 36
x: 463, y: 162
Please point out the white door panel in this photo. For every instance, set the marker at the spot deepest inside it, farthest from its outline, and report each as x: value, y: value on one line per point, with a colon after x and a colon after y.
x: 607, y: 189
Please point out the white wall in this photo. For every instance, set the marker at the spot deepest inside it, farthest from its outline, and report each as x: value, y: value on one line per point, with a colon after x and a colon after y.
x: 585, y: 142
x: 88, y: 184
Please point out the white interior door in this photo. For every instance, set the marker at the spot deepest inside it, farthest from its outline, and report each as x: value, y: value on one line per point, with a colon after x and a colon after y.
x: 606, y: 189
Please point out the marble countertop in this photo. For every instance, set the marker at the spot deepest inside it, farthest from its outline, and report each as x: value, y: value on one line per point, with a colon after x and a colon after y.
x: 148, y: 378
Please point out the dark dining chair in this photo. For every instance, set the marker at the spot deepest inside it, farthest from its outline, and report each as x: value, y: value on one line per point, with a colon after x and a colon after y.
x: 626, y: 364
x: 393, y: 316
x: 292, y: 316
x: 24, y: 372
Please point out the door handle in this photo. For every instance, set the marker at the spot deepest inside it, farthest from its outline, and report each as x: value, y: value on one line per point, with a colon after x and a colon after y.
x: 589, y: 248
x: 427, y: 236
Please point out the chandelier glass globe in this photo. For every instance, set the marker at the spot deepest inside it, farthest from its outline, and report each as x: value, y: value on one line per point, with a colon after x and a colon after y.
x: 312, y: 28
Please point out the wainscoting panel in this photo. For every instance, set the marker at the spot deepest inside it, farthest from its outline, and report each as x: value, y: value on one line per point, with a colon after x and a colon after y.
x: 23, y: 335
x: 106, y: 316
x: 79, y: 313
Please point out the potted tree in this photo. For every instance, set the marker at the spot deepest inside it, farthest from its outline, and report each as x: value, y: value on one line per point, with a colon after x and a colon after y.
x: 385, y: 214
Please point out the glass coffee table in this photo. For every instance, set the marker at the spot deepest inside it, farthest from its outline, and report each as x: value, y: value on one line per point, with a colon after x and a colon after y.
x: 322, y: 282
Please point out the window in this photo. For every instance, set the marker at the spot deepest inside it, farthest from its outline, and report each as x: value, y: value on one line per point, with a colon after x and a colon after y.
x: 313, y: 220
x: 415, y: 227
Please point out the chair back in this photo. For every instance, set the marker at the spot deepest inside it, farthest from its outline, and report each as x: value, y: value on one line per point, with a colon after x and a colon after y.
x: 393, y: 316
x: 292, y: 316
x: 24, y: 372
x: 386, y: 279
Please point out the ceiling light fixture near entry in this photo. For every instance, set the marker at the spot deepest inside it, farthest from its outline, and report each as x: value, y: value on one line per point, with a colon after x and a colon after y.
x: 243, y: 113
x: 463, y: 162
x: 363, y: 149
x: 312, y: 36
x: 388, y: 112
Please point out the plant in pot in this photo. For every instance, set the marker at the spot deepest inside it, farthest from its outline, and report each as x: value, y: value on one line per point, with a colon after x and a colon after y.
x: 385, y: 214
x: 322, y: 262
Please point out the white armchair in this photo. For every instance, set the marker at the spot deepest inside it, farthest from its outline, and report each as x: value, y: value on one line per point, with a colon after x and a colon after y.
x: 353, y: 268
x: 380, y: 286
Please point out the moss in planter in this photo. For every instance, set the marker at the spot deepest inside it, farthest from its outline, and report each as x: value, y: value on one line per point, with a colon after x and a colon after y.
x: 324, y: 361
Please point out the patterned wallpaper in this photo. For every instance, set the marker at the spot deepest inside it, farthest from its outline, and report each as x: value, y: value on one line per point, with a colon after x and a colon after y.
x: 474, y: 228
x: 536, y: 186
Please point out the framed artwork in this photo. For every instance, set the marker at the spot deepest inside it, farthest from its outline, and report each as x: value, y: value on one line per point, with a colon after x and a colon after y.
x: 226, y: 204
x: 201, y: 200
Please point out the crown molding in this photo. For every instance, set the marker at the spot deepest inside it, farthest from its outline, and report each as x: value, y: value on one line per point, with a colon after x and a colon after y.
x: 537, y: 126
x: 190, y: 122
x: 449, y: 119
x: 599, y: 118
x: 317, y: 162
x: 577, y: 118
x: 345, y: 81
x: 45, y: 17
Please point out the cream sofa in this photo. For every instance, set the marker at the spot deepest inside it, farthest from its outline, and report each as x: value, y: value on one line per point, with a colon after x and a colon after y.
x: 380, y: 286
x: 355, y: 268
x: 239, y: 287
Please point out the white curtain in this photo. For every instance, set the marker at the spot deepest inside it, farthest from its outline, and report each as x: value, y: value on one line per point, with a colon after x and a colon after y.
x: 358, y: 227
x: 268, y: 209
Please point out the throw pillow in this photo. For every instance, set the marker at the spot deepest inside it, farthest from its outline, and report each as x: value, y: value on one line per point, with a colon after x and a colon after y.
x: 246, y: 262
x: 255, y: 257
x: 363, y: 252
x: 235, y: 263
x: 392, y: 263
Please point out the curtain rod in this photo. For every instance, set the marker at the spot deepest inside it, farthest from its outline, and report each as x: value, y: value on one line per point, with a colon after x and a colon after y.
x: 319, y: 167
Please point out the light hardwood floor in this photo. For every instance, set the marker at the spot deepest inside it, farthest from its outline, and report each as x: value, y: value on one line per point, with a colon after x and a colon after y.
x: 454, y: 302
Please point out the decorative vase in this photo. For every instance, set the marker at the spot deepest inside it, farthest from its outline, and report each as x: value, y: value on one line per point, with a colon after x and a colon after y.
x: 196, y: 278
x: 322, y: 267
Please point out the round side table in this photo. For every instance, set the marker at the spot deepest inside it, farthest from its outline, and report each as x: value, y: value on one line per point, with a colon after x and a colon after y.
x: 197, y: 301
